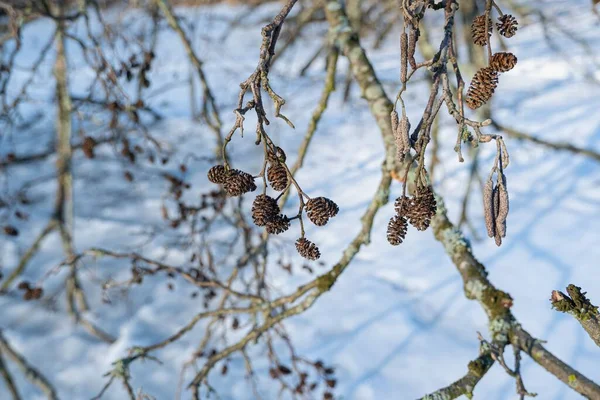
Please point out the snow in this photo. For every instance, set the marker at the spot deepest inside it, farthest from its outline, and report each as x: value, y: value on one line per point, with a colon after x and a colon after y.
x: 396, y: 324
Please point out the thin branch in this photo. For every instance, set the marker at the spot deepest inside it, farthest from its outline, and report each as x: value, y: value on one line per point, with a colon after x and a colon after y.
x: 577, y: 304
x: 552, y: 145
x: 32, y: 374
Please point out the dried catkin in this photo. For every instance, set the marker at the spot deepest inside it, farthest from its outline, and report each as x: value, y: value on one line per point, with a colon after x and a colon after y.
x: 307, y: 249
x: 217, y: 174
x: 488, y: 207
x: 396, y: 231
x: 482, y: 87
x: 404, y: 134
x: 503, y: 62
x: 403, y: 57
x: 395, y: 121
x: 503, y: 206
x: 277, y: 176
x: 478, y: 31
x: 320, y: 209
x: 507, y: 25
x: 496, y: 199
x: 264, y: 209
x: 413, y: 36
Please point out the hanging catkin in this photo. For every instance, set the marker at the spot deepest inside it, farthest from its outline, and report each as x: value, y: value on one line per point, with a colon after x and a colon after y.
x: 503, y: 205
x: 488, y: 206
x: 403, y: 57
x: 413, y: 36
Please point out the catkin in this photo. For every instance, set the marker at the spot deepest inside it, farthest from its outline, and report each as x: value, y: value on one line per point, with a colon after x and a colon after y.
x: 412, y: 46
x: 496, y: 200
x: 488, y: 207
x: 503, y: 206
x: 403, y: 57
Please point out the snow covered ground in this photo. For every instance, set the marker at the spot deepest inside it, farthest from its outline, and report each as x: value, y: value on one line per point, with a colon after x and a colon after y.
x: 396, y: 324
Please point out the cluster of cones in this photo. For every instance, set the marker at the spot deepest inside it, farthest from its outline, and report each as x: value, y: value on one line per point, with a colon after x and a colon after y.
x: 485, y: 80
x: 265, y: 210
x: 417, y: 210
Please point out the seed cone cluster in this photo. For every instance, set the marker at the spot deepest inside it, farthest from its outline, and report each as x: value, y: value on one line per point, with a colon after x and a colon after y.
x: 485, y: 81
x: 277, y: 176
x: 478, y: 30
x: 307, y: 249
x: 495, y: 207
x: 507, y: 25
x: 235, y: 182
x: 482, y: 87
x: 320, y: 209
x: 417, y: 211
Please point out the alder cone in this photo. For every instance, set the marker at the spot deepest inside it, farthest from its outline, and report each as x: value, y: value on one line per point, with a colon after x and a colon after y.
x: 320, y: 209
x: 88, y: 146
x: 503, y: 62
x: 403, y: 205
x: 482, y: 87
x: 278, y: 224
x: 217, y: 174
x: 238, y: 182
x: 396, y: 231
x: 264, y: 209
x: 478, y: 31
x: 507, y: 25
x: 277, y: 176
x: 423, y: 209
x: 307, y: 249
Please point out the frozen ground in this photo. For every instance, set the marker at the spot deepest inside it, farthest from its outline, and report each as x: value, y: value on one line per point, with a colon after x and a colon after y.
x: 396, y: 325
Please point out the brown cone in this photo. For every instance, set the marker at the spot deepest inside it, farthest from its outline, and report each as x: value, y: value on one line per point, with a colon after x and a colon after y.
x: 507, y: 25
x: 88, y: 146
x: 320, y: 209
x: 277, y: 176
x: 480, y: 37
x: 482, y: 87
x: 217, y: 174
x: 396, y: 231
x: 503, y: 62
x: 423, y: 209
x: 238, y: 182
x: 403, y: 205
x: 277, y: 225
x: 264, y: 209
x: 307, y: 249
